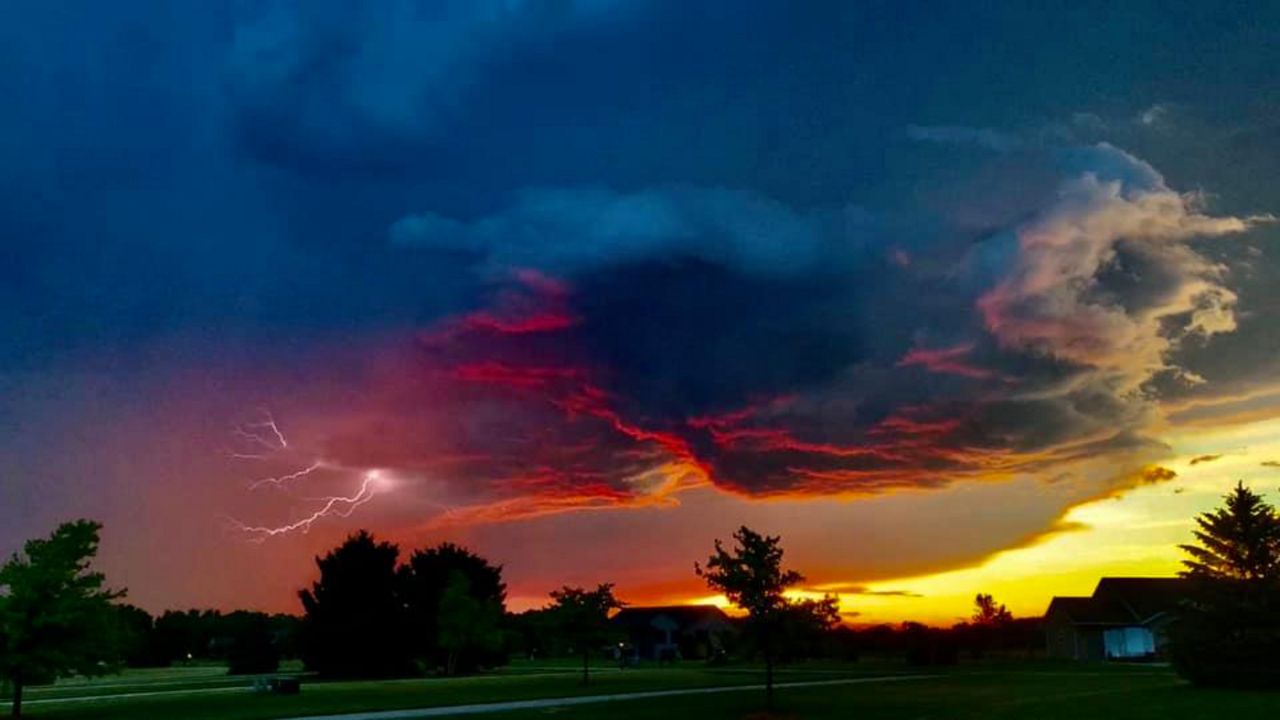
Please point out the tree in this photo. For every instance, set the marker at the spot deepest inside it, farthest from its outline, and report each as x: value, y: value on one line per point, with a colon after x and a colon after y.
x: 986, y: 628
x: 582, y: 617
x: 246, y: 640
x: 137, y: 637
x: 751, y: 576
x: 1228, y: 633
x: 987, y: 613
x: 466, y: 624
x: 805, y: 626
x: 925, y: 645
x: 355, y: 622
x: 56, y: 614
x: 532, y: 633
x: 424, y: 580
x: 252, y: 646
x: 1239, y: 541
x: 184, y: 635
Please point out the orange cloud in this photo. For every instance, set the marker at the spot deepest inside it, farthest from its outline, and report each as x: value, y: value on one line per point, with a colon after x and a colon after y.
x: 1153, y: 474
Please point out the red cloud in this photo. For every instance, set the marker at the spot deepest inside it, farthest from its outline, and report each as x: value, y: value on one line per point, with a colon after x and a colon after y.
x: 537, y: 323
x: 949, y: 361
x: 511, y: 415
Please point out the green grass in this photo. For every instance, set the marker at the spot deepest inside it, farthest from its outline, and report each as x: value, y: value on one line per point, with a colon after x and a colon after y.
x: 198, y: 677
x: 208, y: 701
x: 1009, y: 690
x: 1005, y: 693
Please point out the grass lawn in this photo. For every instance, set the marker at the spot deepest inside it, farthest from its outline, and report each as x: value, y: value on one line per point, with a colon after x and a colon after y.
x: 1027, y: 690
x: 198, y: 677
x: 217, y: 697
x: 1036, y: 693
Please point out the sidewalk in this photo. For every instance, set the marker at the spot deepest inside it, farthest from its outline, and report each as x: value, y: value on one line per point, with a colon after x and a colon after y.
x: 479, y: 708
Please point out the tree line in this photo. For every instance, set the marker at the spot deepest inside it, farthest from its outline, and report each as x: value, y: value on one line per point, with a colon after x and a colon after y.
x: 373, y: 613
x: 248, y: 642
x: 442, y: 609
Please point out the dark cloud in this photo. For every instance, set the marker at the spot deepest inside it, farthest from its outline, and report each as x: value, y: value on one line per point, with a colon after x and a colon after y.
x: 679, y: 338
x: 576, y: 231
x: 847, y: 589
x: 1204, y: 459
x: 335, y: 85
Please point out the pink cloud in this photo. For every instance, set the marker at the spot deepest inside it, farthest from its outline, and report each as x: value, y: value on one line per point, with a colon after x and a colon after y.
x: 948, y: 361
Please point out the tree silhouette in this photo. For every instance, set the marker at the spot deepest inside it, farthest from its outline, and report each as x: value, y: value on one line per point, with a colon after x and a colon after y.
x: 355, y: 621
x: 137, y: 637
x: 425, y: 579
x: 211, y: 635
x: 184, y: 635
x: 988, y: 613
x: 253, y: 649
x: 1239, y: 541
x: 466, y: 623
x: 751, y: 576
x: 582, y: 617
x: 1228, y: 633
x: 56, y: 615
x: 804, y: 625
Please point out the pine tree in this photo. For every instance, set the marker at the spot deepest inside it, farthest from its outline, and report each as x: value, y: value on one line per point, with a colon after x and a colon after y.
x: 1239, y: 541
x: 1228, y: 633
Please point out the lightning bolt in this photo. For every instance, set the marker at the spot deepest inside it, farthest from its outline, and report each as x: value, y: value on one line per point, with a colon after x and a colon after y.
x: 263, y: 439
x: 334, y: 506
x: 263, y: 434
x: 279, y: 480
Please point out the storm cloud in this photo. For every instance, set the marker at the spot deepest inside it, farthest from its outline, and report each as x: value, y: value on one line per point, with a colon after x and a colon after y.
x: 548, y: 258
x: 655, y: 341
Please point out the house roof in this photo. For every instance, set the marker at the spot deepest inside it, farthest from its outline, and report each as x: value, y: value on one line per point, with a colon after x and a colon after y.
x: 1122, y: 601
x: 1143, y: 597
x: 1090, y: 611
x: 684, y: 615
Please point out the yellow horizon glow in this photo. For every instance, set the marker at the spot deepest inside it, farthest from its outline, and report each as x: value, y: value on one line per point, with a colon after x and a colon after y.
x: 1133, y: 534
x: 1136, y: 533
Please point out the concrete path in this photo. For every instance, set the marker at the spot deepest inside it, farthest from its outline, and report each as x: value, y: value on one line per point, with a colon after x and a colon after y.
x: 480, y: 708
x: 128, y: 695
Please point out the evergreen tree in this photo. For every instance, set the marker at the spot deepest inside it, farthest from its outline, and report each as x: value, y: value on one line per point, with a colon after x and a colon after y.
x: 1239, y: 541
x: 1228, y: 633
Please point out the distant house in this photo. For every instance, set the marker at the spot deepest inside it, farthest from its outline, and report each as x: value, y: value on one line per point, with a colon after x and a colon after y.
x: 674, y: 631
x: 1124, y: 619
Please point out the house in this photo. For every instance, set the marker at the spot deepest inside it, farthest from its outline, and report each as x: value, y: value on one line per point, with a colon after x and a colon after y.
x: 674, y: 631
x: 1124, y: 619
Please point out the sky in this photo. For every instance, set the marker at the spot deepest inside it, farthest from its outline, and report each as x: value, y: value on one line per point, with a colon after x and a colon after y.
x: 953, y: 299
